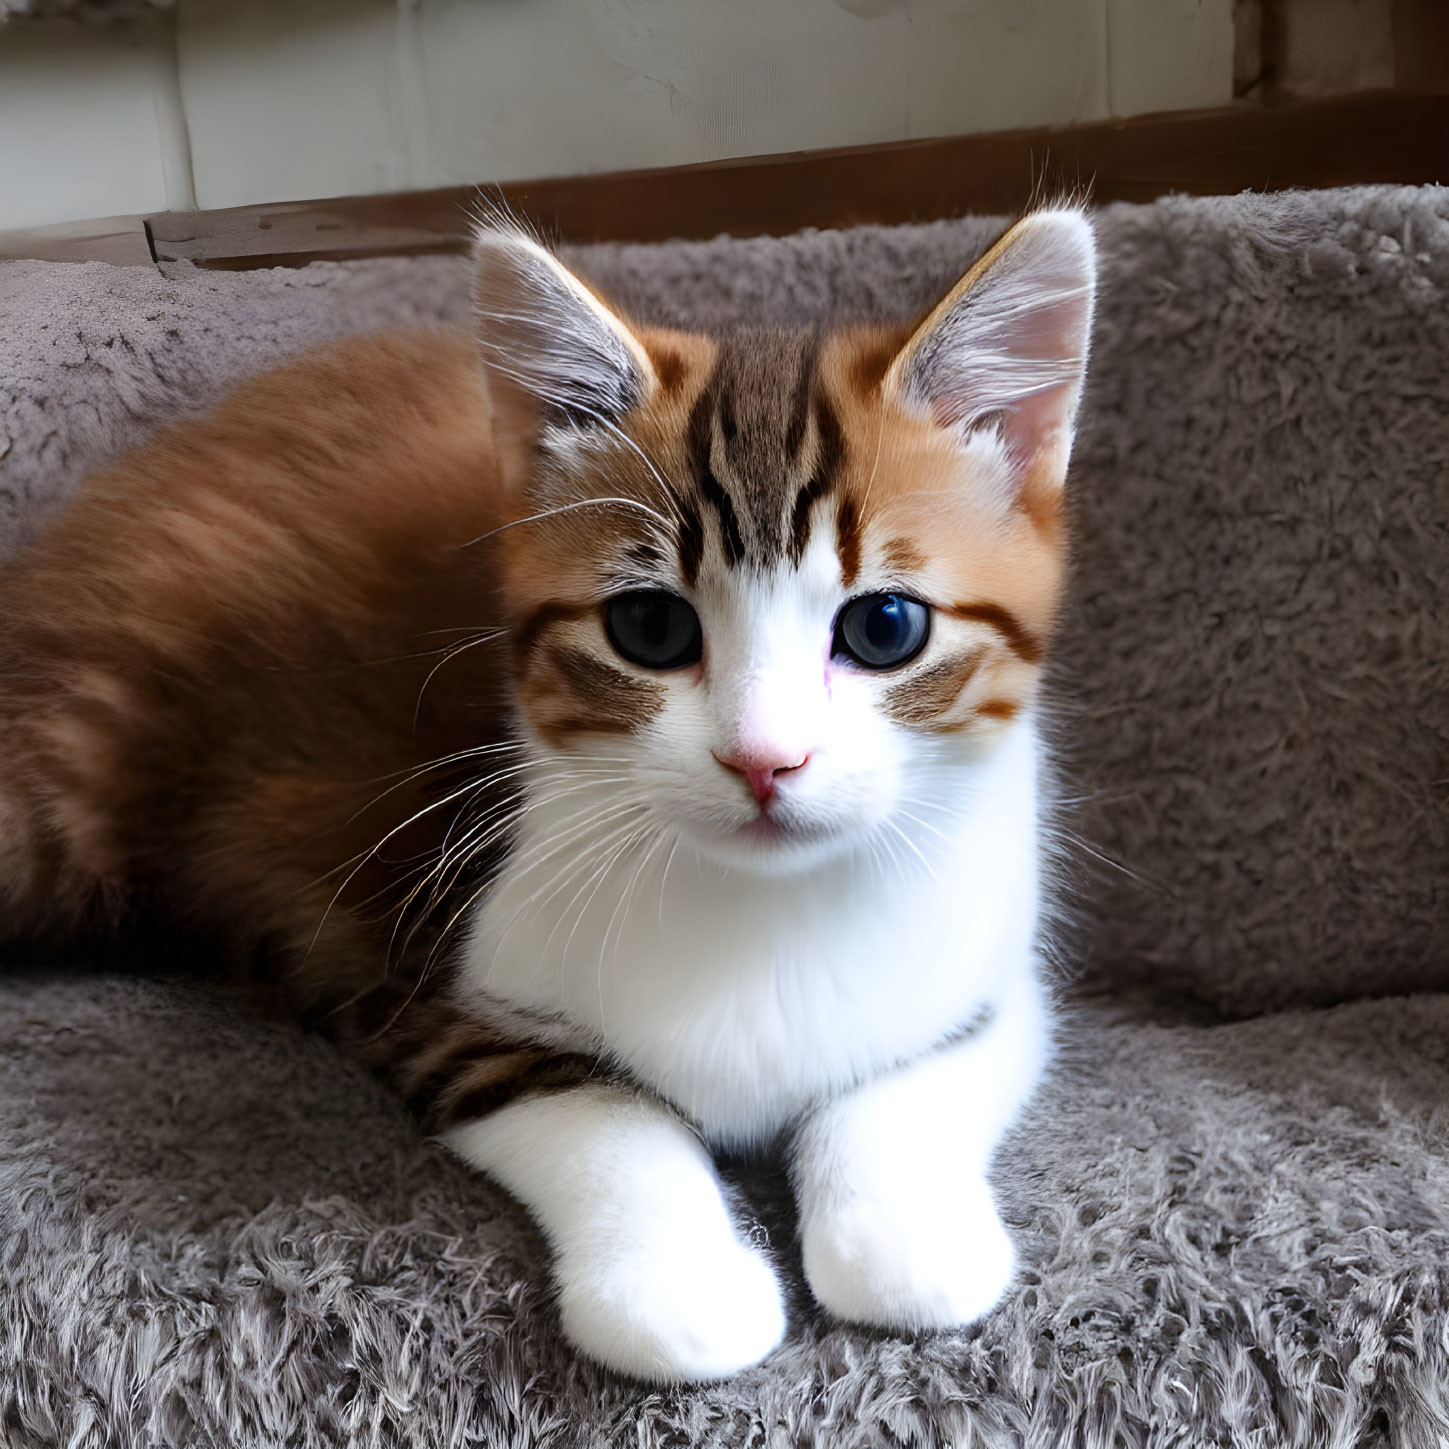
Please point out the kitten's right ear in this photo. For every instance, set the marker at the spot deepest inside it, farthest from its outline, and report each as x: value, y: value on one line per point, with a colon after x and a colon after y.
x: 553, y: 351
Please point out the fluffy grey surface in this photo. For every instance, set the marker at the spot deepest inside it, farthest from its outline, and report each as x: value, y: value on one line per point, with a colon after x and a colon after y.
x: 211, y: 1231
x: 217, y: 1233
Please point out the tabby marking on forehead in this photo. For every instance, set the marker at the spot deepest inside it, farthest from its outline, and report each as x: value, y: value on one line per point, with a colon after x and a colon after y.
x: 847, y: 539
x: 830, y: 449
x: 691, y: 538
x: 902, y: 556
x: 816, y: 488
x: 800, y: 404
x: 765, y: 443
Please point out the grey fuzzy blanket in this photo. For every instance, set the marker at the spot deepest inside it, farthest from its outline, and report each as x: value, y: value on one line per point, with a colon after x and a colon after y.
x: 1234, y: 1232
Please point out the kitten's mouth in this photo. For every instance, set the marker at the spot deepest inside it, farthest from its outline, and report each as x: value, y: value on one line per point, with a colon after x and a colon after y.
x: 769, y: 829
x: 766, y: 829
x: 773, y: 841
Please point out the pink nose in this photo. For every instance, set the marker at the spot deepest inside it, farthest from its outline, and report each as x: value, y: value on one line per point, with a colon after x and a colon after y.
x: 760, y: 770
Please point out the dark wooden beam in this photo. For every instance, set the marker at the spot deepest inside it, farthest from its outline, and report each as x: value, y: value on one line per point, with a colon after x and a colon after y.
x: 1370, y: 137
x: 1345, y: 140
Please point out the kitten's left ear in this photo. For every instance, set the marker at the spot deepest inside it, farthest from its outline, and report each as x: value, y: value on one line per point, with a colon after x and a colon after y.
x: 552, y: 350
x: 1007, y: 346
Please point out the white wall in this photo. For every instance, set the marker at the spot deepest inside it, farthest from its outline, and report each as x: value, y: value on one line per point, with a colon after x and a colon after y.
x: 276, y: 100
x: 90, y: 121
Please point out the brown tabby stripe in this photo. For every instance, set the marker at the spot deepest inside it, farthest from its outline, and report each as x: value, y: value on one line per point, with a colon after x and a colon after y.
x: 903, y: 557
x: 447, y: 1067
x: 701, y: 448
x: 669, y: 367
x: 1002, y: 709
x: 701, y: 428
x: 817, y: 487
x: 847, y: 539
x: 530, y: 1073
x: 830, y: 449
x: 615, y: 703
x: 1025, y: 645
x: 543, y: 618
x: 691, y: 538
x: 477, y: 1066
x: 729, y: 428
x: 929, y: 694
x: 729, y: 524
x: 469, y: 1072
x: 800, y: 401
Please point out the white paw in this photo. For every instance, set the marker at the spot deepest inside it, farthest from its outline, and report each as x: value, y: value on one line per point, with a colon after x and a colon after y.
x: 673, y: 1311
x: 917, y: 1261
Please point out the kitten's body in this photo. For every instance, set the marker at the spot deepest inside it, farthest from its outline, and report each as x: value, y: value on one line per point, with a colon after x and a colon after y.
x: 334, y: 674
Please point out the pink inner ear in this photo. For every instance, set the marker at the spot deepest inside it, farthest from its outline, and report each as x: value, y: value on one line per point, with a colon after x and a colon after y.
x: 541, y: 332
x: 1012, y: 341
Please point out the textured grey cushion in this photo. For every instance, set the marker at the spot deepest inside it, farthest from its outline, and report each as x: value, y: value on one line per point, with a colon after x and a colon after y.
x: 217, y: 1233
x: 214, y: 1232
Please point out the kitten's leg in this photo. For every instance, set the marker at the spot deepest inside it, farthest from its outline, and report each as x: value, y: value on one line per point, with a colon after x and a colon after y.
x: 897, y: 1220
x: 653, y: 1277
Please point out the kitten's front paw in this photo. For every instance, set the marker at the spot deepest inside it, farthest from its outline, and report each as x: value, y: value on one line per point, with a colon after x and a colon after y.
x: 671, y: 1312
x: 909, y: 1261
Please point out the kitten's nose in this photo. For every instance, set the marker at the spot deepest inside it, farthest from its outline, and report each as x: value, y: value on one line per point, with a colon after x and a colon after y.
x: 761, y: 770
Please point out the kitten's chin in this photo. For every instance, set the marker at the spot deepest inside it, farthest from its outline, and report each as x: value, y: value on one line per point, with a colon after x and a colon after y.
x: 767, y: 846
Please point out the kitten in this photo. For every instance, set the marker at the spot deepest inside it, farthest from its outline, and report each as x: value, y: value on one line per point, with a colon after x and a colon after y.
x: 623, y: 738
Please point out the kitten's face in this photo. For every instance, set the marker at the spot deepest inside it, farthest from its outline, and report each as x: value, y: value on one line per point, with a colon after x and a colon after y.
x: 793, y: 586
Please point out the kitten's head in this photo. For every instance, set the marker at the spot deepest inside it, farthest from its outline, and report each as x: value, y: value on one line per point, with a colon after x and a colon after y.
x: 772, y: 584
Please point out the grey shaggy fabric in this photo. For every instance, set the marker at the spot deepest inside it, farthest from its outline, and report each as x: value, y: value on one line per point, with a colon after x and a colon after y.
x: 212, y: 1231
x: 217, y: 1233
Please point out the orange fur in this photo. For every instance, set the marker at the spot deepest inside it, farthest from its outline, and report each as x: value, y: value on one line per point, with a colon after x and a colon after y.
x: 241, y: 673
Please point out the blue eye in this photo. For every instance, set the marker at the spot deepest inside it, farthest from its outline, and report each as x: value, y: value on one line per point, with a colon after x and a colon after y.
x: 881, y: 630
x: 654, y: 629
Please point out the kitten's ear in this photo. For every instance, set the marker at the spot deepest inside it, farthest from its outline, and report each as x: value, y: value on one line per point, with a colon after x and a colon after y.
x: 1007, y: 346
x: 553, y: 351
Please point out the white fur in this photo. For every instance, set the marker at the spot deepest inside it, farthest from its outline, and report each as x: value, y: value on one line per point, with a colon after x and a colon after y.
x: 897, y: 1222
x: 653, y: 1278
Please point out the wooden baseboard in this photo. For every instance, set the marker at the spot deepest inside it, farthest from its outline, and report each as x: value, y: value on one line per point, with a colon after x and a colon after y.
x: 1345, y: 140
x: 119, y: 240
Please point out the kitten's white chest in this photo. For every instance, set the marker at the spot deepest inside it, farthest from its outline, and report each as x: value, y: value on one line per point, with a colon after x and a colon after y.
x: 743, y: 999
